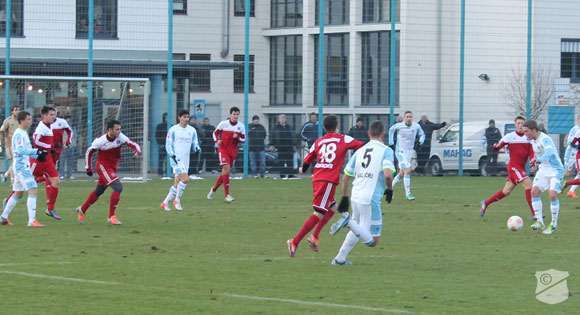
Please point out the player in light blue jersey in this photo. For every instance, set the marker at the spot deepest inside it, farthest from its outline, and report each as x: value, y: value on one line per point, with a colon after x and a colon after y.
x: 181, y: 139
x: 549, y: 175
x: 570, y: 158
x: 371, y: 166
x: 23, y: 179
x: 407, y: 132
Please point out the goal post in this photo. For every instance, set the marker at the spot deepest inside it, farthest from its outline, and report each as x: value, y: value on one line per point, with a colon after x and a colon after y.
x: 121, y: 98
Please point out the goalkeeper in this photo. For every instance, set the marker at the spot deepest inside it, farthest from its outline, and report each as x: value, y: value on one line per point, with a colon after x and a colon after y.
x: 371, y: 166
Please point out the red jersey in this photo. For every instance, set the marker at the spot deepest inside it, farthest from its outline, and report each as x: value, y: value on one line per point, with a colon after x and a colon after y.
x: 519, y: 146
x: 109, y: 150
x: 43, y: 136
x: 225, y: 132
x: 330, y: 151
x: 58, y: 128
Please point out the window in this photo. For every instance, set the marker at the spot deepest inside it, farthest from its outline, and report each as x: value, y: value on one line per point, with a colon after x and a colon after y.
x: 286, y: 13
x: 240, y: 8
x: 179, y: 7
x: 570, y: 60
x: 286, y: 70
x: 375, y: 11
x: 201, y: 79
x: 178, y: 56
x: 336, y: 12
x: 17, y: 24
x: 239, y: 75
x: 105, y: 19
x: 375, y: 64
x: 336, y: 81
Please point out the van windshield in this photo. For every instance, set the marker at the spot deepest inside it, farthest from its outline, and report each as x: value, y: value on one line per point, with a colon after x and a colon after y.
x: 451, y: 135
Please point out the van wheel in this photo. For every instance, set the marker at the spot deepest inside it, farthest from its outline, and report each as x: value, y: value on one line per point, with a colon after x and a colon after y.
x: 435, y: 167
x: 483, y: 166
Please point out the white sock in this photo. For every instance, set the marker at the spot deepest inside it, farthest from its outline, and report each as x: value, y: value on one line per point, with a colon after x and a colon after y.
x: 347, y: 246
x: 180, y: 189
x: 407, y: 181
x: 573, y: 188
x: 537, y: 205
x: 170, y: 195
x: 31, y: 205
x: 10, y: 204
x: 363, y: 234
x: 555, y: 209
x: 396, y: 180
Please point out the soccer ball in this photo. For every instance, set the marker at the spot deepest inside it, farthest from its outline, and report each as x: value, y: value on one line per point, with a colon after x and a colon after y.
x: 515, y: 223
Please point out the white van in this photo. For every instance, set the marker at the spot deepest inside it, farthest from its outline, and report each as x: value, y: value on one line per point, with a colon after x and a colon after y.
x: 445, y: 150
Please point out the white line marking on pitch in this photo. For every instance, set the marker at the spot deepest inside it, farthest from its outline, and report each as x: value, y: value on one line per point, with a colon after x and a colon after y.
x: 356, y: 307
x: 37, y: 263
x: 34, y: 275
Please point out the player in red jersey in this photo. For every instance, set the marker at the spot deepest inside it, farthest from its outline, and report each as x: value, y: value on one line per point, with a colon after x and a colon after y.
x: 109, y: 148
x: 59, y: 126
x: 227, y: 135
x: 329, y: 151
x: 520, y: 150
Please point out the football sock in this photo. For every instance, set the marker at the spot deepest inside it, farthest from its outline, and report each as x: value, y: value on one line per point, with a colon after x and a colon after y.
x: 10, y: 204
x: 218, y: 183
x: 92, y: 198
x: 327, y: 216
x: 180, y: 189
x: 348, y: 244
x: 31, y: 205
x: 52, y: 197
x: 170, y: 195
x: 573, y: 182
x: 555, y: 209
x: 496, y: 197
x: 573, y: 188
x: 529, y: 200
x: 363, y: 234
x: 407, y: 182
x: 115, y: 196
x: 537, y: 204
x: 226, y: 180
x: 306, y: 227
x: 396, y: 180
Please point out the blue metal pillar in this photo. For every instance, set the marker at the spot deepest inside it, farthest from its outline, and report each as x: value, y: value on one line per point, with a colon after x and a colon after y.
x: 90, y: 72
x: 321, y: 67
x: 170, y: 108
x: 392, y: 57
x: 529, y: 68
x: 156, y: 109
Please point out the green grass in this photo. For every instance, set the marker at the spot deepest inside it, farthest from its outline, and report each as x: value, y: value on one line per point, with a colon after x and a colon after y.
x: 436, y: 254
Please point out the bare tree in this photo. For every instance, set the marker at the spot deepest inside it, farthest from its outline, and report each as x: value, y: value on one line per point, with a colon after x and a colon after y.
x: 575, y: 94
x: 515, y: 91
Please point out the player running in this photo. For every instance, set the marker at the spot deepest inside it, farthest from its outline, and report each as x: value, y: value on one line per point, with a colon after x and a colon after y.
x: 407, y: 132
x: 549, y: 175
x: 181, y: 138
x: 520, y: 150
x: 371, y: 166
x: 570, y: 158
x: 108, y: 147
x: 329, y: 151
x: 59, y: 126
x: 227, y: 135
x: 23, y: 179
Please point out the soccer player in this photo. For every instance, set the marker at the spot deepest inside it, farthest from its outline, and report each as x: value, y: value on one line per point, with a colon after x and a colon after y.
x: 570, y: 158
x: 520, y: 150
x: 108, y: 147
x: 59, y: 126
x: 329, y: 151
x: 23, y: 178
x: 407, y: 132
x: 371, y: 166
x: 43, y: 138
x: 227, y: 135
x: 549, y: 175
x: 181, y: 138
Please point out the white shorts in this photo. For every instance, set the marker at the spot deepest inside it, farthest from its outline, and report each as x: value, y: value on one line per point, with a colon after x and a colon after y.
x: 23, y: 181
x: 369, y: 217
x: 181, y: 167
x: 404, y: 158
x: 545, y: 182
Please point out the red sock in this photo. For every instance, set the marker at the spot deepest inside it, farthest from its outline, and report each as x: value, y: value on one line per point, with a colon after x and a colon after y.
x: 227, y: 183
x: 573, y: 182
x: 92, y: 198
x: 327, y: 216
x: 52, y: 197
x: 529, y: 200
x: 115, y: 196
x: 496, y: 197
x: 306, y: 227
x: 218, y: 183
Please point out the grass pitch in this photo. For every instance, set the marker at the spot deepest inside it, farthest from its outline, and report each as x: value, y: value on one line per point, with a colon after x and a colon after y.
x: 436, y: 254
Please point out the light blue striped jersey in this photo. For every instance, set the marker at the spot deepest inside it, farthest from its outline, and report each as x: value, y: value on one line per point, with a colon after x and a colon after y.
x: 22, y: 151
x: 180, y: 141
x: 406, y: 135
x: 545, y: 152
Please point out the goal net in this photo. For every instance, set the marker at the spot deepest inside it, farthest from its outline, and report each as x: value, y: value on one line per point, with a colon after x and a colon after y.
x: 123, y: 99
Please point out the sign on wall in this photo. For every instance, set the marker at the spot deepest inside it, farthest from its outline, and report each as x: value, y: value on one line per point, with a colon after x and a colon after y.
x: 198, y: 108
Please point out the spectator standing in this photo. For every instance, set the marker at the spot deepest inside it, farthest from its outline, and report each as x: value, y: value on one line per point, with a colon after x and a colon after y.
x: 160, y: 133
x: 282, y: 138
x: 257, y: 134
x: 208, y: 146
x: 68, y: 160
x: 9, y: 125
x: 493, y: 136
x: 359, y: 131
x: 194, y: 156
x: 424, y: 151
x: 309, y: 131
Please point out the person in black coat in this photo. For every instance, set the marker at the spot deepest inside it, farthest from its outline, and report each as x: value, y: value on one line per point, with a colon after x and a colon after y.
x: 424, y: 151
x: 359, y: 131
x: 257, y: 149
x: 309, y: 131
x: 208, y: 146
x: 282, y: 137
x: 493, y: 136
x: 160, y: 134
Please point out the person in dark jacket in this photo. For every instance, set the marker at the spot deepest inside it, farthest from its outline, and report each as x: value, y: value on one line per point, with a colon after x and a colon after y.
x: 424, y: 151
x: 257, y: 149
x: 309, y: 131
x: 359, y: 131
x: 208, y: 146
x: 282, y: 137
x: 493, y: 136
x: 160, y: 134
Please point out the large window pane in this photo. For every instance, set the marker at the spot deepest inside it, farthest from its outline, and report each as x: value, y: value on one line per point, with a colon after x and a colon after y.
x: 179, y: 7
x: 286, y: 70
x: 375, y: 66
x: 336, y: 51
x: 286, y: 13
x: 239, y: 75
x: 570, y: 60
x: 201, y: 79
x: 336, y: 12
x: 17, y: 20
x: 105, y: 19
x: 240, y: 8
x: 379, y: 11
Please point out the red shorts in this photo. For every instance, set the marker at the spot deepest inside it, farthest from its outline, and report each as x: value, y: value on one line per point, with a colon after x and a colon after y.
x: 40, y: 169
x: 323, y: 195
x: 516, y: 174
x: 106, y: 175
x: 226, y: 159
